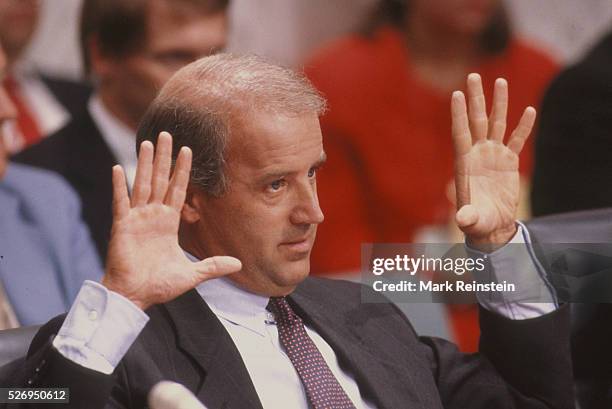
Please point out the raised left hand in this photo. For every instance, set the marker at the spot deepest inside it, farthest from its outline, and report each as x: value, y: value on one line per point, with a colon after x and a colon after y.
x: 486, y: 169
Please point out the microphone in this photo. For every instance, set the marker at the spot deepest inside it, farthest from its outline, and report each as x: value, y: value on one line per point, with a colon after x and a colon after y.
x: 172, y: 395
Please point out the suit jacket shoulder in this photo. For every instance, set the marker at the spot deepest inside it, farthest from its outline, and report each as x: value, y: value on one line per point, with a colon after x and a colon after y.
x: 69, y: 150
x: 72, y: 95
x: 47, y: 249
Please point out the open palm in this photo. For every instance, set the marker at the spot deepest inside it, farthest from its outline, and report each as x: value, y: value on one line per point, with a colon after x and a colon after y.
x: 145, y: 262
x: 486, y: 169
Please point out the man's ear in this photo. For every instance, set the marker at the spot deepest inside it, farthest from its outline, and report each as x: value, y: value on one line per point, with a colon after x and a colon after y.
x: 193, y: 205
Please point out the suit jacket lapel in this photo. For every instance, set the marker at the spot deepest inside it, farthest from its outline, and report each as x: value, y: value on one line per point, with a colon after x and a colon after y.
x: 92, y: 159
x: 89, y: 169
x: 227, y: 383
x: 381, y: 380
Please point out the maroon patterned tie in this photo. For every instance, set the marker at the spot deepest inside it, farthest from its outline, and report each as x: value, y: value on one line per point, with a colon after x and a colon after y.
x: 322, y: 388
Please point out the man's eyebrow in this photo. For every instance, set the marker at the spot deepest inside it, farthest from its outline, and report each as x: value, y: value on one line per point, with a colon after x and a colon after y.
x: 273, y: 175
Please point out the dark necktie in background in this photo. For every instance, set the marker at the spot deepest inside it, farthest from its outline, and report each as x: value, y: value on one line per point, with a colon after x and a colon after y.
x: 322, y: 387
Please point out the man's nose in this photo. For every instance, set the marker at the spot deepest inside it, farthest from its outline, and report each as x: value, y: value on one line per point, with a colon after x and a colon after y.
x: 307, y: 211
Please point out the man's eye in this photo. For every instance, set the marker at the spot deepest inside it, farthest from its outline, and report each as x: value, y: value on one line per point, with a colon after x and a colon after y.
x: 276, y: 185
x: 312, y: 172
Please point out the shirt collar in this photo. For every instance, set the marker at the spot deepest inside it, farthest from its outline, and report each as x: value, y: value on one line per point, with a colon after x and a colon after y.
x: 236, y: 305
x: 120, y: 139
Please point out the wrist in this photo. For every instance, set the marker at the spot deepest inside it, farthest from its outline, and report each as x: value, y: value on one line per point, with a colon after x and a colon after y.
x: 108, y: 282
x: 494, y: 240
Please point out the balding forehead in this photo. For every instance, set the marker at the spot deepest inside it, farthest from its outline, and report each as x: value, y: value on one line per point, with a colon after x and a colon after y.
x: 241, y: 83
x: 260, y: 135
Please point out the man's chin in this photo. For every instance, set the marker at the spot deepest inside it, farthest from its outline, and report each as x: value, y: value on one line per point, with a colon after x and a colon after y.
x: 293, y: 274
x: 276, y: 280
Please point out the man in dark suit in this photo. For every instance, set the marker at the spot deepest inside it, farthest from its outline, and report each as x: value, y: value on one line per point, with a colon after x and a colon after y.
x: 572, y: 172
x: 43, y: 104
x: 574, y: 141
x: 267, y: 336
x: 131, y: 48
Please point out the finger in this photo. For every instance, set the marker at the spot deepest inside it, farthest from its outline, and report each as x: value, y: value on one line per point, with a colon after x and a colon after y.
x: 499, y: 111
x: 522, y: 131
x: 462, y: 185
x: 180, y: 179
x: 161, y: 167
x: 142, y: 182
x: 213, y: 267
x: 466, y: 218
x: 477, y: 112
x: 462, y: 141
x: 121, y: 200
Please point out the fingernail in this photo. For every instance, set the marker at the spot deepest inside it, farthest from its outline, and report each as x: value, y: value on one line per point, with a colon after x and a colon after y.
x: 233, y: 262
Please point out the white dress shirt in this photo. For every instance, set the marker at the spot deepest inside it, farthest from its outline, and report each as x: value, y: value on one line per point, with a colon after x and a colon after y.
x: 252, y: 329
x: 120, y: 139
x: 85, y: 337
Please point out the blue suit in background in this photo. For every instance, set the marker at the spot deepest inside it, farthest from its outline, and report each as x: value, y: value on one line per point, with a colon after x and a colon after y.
x: 46, y: 248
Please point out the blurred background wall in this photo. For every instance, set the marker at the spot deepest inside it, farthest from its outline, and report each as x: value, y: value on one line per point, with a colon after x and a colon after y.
x: 288, y: 30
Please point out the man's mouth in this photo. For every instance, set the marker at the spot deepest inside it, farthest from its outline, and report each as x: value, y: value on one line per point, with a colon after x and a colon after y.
x: 299, y: 245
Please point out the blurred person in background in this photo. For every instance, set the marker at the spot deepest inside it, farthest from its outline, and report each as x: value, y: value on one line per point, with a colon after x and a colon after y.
x: 573, y: 171
x: 130, y: 48
x: 46, y: 251
x: 43, y: 104
x: 573, y: 155
x: 387, y: 130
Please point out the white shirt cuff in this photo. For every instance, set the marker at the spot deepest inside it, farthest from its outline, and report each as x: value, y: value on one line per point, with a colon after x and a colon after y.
x: 516, y: 263
x: 99, y: 328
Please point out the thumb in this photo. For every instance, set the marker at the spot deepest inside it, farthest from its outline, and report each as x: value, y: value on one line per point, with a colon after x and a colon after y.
x: 213, y: 267
x: 466, y: 218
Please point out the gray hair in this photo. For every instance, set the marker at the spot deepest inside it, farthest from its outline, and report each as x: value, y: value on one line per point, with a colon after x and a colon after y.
x: 198, y: 104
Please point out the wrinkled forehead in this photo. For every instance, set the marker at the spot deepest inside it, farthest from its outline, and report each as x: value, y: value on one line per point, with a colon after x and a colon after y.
x: 262, y: 140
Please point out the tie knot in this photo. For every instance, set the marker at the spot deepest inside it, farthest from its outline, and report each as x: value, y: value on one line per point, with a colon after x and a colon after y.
x: 282, y: 310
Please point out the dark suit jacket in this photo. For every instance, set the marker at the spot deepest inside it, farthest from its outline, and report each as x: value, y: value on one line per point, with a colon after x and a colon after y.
x: 567, y: 245
x: 573, y: 145
x: 524, y: 364
x: 80, y: 155
x: 73, y: 96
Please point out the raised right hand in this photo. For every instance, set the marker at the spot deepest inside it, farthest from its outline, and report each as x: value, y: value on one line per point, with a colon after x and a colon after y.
x: 145, y: 262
